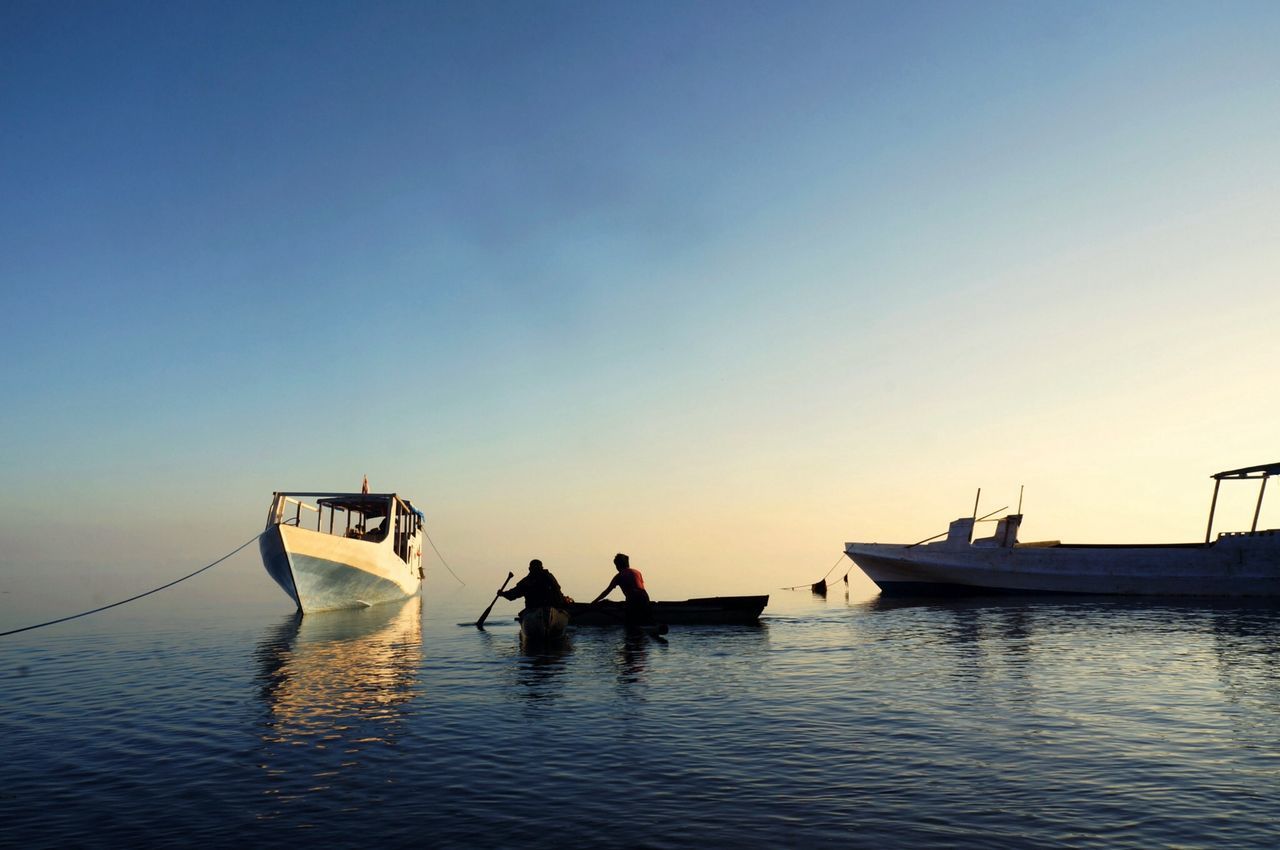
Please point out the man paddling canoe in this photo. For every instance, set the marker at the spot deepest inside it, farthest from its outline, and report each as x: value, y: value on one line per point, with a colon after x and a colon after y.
x: 639, y: 610
x: 539, y: 588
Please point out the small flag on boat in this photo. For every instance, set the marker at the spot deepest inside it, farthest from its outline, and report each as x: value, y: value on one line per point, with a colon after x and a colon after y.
x: 364, y: 488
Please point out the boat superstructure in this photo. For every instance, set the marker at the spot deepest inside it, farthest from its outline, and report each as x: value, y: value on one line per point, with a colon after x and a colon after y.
x: 330, y: 551
x: 1244, y: 563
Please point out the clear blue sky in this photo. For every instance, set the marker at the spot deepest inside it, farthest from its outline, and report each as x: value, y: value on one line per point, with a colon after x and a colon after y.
x: 722, y: 284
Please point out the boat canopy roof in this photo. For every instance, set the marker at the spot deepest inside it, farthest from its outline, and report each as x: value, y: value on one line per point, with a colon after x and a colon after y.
x: 1261, y: 471
x: 369, y: 504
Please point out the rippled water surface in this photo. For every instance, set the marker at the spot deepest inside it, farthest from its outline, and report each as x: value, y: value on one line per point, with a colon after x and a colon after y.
x: 999, y: 723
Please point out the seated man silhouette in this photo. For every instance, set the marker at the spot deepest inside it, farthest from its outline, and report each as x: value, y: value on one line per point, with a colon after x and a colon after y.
x: 539, y: 588
x: 375, y: 532
x: 638, y: 610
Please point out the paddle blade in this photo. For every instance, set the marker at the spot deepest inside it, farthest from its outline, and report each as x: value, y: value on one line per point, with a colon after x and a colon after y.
x: 480, y: 623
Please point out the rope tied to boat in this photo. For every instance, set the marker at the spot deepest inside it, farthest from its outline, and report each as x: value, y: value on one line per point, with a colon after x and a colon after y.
x: 441, y: 557
x: 821, y: 584
x: 133, y: 598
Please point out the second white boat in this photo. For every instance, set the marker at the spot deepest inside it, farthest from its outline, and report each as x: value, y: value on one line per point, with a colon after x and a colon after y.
x: 1245, y: 563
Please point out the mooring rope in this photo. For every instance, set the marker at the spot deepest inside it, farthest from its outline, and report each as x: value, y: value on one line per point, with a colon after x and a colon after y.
x: 132, y: 598
x: 442, y: 560
x: 824, y: 578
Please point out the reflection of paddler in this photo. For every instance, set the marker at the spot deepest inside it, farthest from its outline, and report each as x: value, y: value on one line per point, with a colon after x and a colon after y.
x: 639, y: 610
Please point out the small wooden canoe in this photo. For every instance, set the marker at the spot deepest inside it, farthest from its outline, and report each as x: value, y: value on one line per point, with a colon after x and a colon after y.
x: 542, y: 624
x: 705, y: 611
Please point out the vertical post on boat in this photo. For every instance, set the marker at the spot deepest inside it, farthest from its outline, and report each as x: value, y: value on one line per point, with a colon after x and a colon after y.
x: 1258, y: 509
x: 1021, y: 487
x: 975, y: 504
x: 1208, y: 532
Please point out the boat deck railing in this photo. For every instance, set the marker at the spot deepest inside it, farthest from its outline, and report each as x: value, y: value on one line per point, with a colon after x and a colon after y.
x: 281, y: 504
x: 1266, y: 532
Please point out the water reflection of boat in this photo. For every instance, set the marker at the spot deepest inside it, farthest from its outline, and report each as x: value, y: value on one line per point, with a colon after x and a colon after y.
x: 1241, y: 626
x: 1235, y: 564
x: 365, y: 548
x: 357, y: 664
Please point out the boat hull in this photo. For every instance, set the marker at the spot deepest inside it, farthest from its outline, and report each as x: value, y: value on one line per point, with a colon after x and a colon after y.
x: 705, y: 611
x: 1234, y: 565
x: 322, y: 572
x: 543, y: 624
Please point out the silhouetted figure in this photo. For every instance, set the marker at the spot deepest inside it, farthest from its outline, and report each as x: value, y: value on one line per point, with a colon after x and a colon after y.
x: 375, y: 532
x: 539, y: 588
x: 639, y: 610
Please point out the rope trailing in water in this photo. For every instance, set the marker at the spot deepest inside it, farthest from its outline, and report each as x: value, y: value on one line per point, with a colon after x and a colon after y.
x: 442, y: 560
x: 822, y: 581
x: 132, y: 598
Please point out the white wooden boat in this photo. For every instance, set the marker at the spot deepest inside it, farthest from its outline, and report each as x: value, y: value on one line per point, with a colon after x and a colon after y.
x: 331, y: 551
x: 1243, y: 563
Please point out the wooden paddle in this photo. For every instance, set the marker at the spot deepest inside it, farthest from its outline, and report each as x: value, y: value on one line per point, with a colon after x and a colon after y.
x: 485, y: 615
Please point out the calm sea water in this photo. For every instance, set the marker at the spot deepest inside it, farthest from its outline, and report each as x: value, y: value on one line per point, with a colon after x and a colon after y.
x: 836, y: 723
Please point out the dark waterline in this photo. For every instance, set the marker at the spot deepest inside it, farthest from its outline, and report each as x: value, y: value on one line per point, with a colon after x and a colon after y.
x: 974, y: 723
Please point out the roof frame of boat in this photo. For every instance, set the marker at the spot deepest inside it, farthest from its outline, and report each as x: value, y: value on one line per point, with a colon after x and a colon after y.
x: 1261, y: 471
x: 359, y: 502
